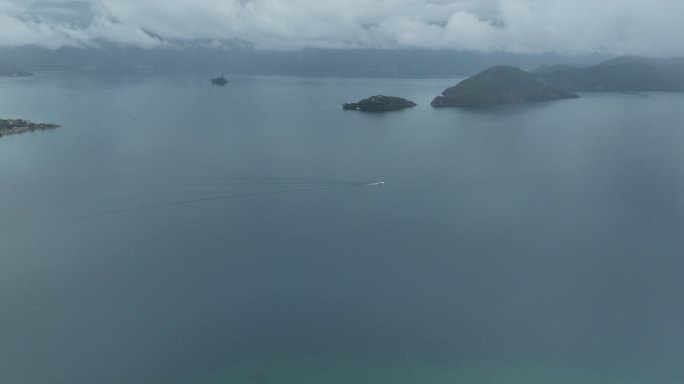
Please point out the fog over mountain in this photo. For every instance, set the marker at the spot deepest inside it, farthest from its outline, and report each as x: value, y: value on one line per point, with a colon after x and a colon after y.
x: 613, y: 27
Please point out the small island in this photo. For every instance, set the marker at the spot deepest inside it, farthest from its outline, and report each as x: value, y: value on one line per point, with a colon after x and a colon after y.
x: 220, y: 81
x: 499, y: 85
x: 380, y: 103
x: 14, y: 126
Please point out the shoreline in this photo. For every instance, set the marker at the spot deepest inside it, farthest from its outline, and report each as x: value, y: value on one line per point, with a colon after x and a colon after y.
x: 17, y: 126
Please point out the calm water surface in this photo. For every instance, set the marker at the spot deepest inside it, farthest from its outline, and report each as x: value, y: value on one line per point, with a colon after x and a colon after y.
x: 175, y: 232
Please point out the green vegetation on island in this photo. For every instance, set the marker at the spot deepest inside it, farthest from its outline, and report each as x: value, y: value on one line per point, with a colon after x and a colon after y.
x: 380, y: 103
x: 499, y: 85
x: 13, y: 71
x: 13, y: 126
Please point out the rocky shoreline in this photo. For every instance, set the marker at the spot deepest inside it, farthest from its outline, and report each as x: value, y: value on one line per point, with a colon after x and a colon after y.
x: 15, y: 126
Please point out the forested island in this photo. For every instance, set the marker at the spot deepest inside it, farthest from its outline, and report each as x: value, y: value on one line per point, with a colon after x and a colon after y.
x: 499, y: 85
x: 380, y: 103
x: 506, y: 84
x: 14, y: 126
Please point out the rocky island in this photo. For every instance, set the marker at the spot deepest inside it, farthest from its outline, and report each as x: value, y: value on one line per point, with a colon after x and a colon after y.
x: 13, y: 126
x: 380, y: 103
x: 220, y: 81
x: 499, y: 85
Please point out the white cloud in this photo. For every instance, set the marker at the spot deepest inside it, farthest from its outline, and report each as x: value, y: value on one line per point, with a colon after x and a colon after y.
x: 579, y: 26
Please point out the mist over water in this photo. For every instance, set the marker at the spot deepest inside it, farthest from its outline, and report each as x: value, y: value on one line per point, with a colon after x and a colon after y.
x: 173, y: 231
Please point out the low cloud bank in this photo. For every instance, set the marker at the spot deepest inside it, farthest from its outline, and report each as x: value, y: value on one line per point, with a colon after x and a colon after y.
x: 523, y: 26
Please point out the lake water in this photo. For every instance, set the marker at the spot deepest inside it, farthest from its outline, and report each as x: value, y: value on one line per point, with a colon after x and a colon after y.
x: 175, y: 232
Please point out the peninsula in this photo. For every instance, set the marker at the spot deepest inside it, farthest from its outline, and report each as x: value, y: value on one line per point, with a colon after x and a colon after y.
x: 14, y: 126
x: 379, y: 103
x: 499, y: 85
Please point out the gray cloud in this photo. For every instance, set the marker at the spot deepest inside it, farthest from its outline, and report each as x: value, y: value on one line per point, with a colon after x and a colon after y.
x: 578, y: 26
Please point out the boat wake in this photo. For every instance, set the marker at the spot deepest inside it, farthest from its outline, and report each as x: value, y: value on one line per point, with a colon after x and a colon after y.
x: 217, y: 182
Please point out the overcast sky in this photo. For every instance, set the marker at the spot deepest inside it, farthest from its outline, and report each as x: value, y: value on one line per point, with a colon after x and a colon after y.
x: 648, y: 27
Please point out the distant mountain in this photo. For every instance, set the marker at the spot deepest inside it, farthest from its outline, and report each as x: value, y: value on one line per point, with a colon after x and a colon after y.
x: 13, y: 71
x: 625, y: 73
x: 236, y: 60
x: 545, y: 68
x: 498, y: 85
